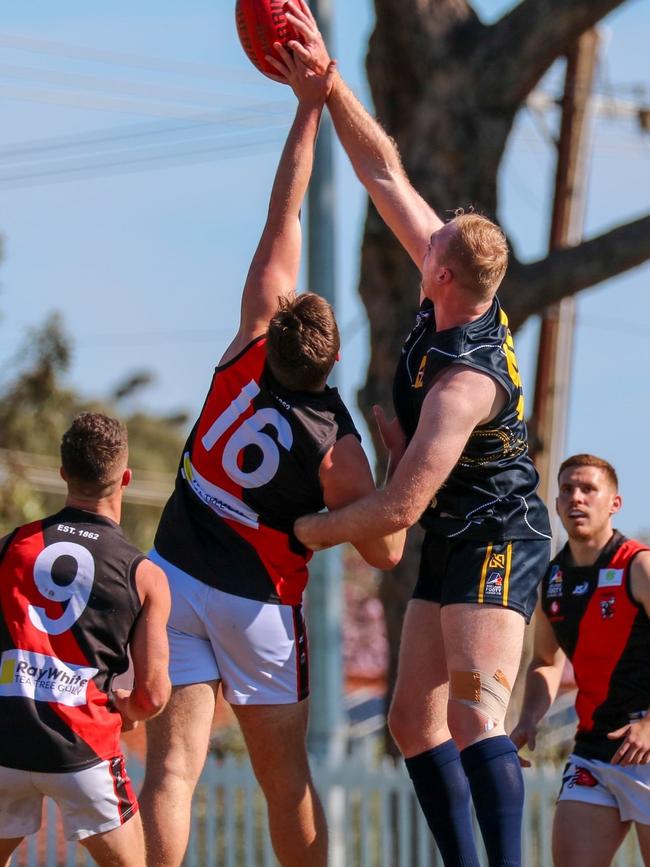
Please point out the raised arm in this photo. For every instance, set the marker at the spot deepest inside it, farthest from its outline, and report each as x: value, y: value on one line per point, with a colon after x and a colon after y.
x: 274, y: 269
x: 373, y: 154
x: 149, y: 648
x: 460, y: 400
x: 542, y: 683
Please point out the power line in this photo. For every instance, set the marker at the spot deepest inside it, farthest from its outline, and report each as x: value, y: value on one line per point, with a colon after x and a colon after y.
x: 50, y: 47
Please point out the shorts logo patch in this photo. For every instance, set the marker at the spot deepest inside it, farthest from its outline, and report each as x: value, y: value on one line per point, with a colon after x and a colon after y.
x: 43, y: 678
x: 554, y: 583
x: 494, y: 584
x: 610, y: 577
x: 497, y: 561
x: 582, y: 777
x: 607, y: 607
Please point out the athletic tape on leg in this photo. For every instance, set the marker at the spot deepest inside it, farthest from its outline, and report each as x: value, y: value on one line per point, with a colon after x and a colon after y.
x: 487, y: 693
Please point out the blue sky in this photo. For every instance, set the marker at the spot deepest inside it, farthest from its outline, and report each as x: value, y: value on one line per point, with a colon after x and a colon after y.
x: 146, y: 258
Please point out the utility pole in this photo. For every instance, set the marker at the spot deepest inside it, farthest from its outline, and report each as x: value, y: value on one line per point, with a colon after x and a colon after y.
x: 555, y: 354
x: 326, y: 736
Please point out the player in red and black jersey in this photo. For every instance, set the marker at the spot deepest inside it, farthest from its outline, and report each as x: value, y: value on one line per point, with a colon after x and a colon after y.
x: 594, y: 610
x: 272, y: 442
x: 75, y: 597
x: 459, y: 444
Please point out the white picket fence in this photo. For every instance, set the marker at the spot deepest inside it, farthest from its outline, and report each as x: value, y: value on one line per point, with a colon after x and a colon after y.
x: 373, y: 818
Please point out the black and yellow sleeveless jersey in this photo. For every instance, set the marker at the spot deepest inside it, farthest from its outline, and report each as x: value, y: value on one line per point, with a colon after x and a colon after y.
x: 490, y: 493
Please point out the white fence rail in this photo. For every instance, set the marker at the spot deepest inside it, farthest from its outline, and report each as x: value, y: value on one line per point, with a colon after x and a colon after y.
x: 373, y: 816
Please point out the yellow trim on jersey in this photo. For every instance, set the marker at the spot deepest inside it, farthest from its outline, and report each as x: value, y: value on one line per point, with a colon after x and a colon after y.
x: 481, y: 587
x: 506, y: 577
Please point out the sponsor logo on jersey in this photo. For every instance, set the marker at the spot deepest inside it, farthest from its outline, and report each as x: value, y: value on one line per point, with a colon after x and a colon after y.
x: 610, y: 577
x: 24, y: 674
x: 581, y: 589
x: 555, y: 607
x: 607, y: 607
x: 494, y: 584
x: 497, y: 561
x: 554, y: 583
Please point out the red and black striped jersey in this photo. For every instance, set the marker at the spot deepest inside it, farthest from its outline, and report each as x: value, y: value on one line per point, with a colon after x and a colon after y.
x: 249, y: 469
x: 68, y: 603
x: 606, y: 635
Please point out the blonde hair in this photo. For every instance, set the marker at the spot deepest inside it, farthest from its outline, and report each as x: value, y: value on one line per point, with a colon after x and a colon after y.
x: 478, y: 251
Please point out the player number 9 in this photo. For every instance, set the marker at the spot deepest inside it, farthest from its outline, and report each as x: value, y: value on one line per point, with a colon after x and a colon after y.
x: 76, y: 593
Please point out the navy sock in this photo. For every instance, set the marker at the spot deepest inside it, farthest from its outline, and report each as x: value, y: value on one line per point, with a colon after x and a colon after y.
x: 443, y: 792
x: 497, y: 785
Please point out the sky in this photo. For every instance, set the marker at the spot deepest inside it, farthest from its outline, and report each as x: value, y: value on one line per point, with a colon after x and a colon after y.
x: 137, y: 153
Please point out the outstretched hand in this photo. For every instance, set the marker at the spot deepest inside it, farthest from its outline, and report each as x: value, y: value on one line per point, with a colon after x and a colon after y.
x: 635, y: 749
x: 120, y: 701
x: 524, y: 734
x: 310, y: 48
x: 308, y: 85
x: 391, y: 433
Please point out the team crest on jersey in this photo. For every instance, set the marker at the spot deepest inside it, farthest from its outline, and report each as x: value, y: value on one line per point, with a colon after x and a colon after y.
x: 610, y: 577
x: 494, y: 584
x: 24, y: 674
x: 419, y: 379
x: 555, y: 607
x: 554, y: 583
x: 607, y: 607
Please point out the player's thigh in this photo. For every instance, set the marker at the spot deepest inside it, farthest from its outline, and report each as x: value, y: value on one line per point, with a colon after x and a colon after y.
x: 121, y: 847
x: 21, y: 807
x: 643, y: 834
x: 178, y: 738
x: 586, y: 835
x: 421, y: 689
x: 482, y: 637
x: 275, y: 736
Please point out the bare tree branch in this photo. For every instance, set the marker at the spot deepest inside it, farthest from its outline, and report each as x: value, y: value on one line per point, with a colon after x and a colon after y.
x: 529, y: 288
x: 520, y: 47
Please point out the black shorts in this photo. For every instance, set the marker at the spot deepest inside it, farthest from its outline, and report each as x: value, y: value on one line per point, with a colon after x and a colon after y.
x: 506, y: 574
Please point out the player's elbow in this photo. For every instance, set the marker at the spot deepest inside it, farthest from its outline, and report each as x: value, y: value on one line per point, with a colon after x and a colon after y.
x: 153, y: 696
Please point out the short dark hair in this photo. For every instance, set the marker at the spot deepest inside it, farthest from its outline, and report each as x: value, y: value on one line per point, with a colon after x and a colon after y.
x: 585, y: 460
x: 302, y: 342
x: 92, y: 450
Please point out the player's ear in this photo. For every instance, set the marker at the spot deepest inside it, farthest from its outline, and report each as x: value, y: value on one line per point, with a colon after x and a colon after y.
x: 127, y: 475
x: 62, y: 474
x: 617, y: 504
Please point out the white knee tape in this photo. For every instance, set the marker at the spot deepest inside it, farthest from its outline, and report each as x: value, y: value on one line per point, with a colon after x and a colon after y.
x: 487, y: 693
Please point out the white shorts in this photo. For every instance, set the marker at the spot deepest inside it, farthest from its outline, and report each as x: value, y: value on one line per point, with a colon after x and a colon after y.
x: 256, y: 649
x: 627, y: 789
x: 91, y: 801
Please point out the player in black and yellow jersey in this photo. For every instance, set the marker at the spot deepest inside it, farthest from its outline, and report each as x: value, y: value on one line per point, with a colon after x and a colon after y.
x: 460, y: 449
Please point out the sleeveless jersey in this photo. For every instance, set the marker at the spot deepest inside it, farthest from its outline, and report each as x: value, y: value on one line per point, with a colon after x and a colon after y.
x: 68, y: 603
x: 249, y: 469
x: 490, y: 493
x: 606, y: 635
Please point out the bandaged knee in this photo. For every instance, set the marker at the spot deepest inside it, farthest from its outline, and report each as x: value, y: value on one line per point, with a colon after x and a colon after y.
x: 489, y: 694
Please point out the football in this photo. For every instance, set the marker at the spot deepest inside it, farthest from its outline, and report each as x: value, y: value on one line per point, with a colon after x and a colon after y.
x: 260, y: 23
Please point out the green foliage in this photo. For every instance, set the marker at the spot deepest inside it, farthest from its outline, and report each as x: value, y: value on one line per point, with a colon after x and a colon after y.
x: 36, y: 408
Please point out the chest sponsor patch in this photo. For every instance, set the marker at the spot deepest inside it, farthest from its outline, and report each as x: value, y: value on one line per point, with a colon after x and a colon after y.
x: 24, y: 674
x: 581, y: 589
x: 610, y: 577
